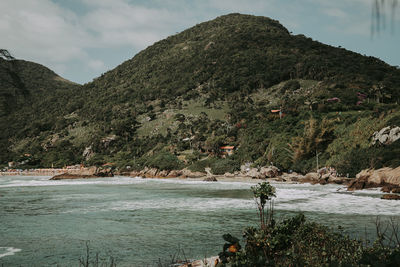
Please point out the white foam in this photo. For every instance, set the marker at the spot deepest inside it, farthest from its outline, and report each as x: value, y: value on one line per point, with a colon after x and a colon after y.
x: 290, y: 197
x: 46, y: 182
x: 8, y: 251
x: 328, y: 200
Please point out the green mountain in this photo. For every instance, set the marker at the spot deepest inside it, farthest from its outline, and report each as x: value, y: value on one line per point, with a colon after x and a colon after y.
x: 215, y: 84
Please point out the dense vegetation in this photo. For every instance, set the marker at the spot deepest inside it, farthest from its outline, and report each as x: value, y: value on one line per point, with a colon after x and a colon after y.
x: 216, y: 83
x: 296, y: 242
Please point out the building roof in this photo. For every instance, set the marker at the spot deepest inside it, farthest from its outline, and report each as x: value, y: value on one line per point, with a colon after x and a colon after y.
x: 275, y: 110
x: 227, y: 147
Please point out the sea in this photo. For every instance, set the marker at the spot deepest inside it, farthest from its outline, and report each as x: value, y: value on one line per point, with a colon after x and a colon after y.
x: 152, y: 222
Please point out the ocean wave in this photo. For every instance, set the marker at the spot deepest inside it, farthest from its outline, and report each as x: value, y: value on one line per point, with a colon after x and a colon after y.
x: 8, y: 251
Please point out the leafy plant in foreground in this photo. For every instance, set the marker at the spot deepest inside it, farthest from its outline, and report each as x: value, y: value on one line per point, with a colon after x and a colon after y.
x: 296, y: 242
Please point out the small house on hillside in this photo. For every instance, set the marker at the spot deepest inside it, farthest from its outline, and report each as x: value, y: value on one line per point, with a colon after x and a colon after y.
x: 278, y: 112
x: 226, y: 150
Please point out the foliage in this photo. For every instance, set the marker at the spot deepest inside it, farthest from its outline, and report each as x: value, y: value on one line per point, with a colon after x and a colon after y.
x: 218, y: 166
x: 296, y: 242
x: 211, y: 85
x: 224, y: 165
x: 164, y: 161
x: 264, y: 192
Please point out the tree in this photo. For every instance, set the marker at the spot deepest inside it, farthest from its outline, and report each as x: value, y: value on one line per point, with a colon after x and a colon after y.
x: 264, y: 192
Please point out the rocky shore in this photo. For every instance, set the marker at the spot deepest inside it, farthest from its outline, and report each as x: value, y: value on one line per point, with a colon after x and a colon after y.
x: 388, y: 179
x: 270, y: 172
x: 84, y: 174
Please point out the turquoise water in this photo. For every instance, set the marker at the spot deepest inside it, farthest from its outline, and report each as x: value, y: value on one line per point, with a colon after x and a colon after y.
x: 139, y: 221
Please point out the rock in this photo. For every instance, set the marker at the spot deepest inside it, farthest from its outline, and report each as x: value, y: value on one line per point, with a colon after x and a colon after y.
x: 383, y: 138
x: 135, y: 174
x: 356, y: 185
x: 386, y: 135
x: 254, y: 173
x: 174, y: 173
x: 66, y: 176
x: 190, y: 174
x: 291, y: 177
x: 269, y: 172
x: 338, y: 180
x: 208, y: 171
x: 371, y: 178
x: 228, y: 174
x: 245, y: 167
x: 104, y: 173
x: 396, y: 190
x: 151, y: 173
x: 210, y: 179
x: 163, y: 174
x: 311, y: 177
x: 391, y: 197
x: 88, y: 153
x: 394, y: 134
x: 386, y: 189
x: 325, y: 176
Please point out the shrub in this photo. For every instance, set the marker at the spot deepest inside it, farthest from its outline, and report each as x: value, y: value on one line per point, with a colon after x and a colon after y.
x: 200, y: 165
x: 224, y: 165
x: 164, y: 161
x: 296, y: 242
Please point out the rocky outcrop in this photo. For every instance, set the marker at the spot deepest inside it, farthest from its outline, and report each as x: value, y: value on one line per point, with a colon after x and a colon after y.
x: 312, y: 178
x: 155, y: 173
x: 269, y: 172
x: 210, y: 179
x: 258, y: 173
x: 391, y: 197
x: 67, y: 175
x: 387, y: 178
x: 386, y: 135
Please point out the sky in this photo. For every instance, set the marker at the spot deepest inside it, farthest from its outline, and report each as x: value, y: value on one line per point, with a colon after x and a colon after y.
x: 81, y: 39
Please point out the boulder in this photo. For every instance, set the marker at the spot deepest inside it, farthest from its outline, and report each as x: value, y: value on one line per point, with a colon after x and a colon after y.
x: 269, y: 172
x: 371, y: 178
x: 245, y: 167
x: 252, y: 172
x: 151, y: 173
x: 291, y: 177
x: 339, y: 180
x: 190, y: 174
x: 163, y: 174
x: 66, y: 176
x: 174, y: 173
x: 386, y: 135
x: 396, y: 190
x: 311, y: 177
x: 135, y: 174
x: 391, y: 197
x: 356, y: 185
x: 210, y: 179
x: 104, y: 173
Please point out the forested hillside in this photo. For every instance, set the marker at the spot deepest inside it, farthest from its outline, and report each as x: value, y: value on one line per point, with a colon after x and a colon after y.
x: 175, y: 103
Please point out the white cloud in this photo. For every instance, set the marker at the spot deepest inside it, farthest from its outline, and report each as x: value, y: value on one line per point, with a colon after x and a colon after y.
x: 335, y: 12
x: 96, y: 64
x: 47, y: 33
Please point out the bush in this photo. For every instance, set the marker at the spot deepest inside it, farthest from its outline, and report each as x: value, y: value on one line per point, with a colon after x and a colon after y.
x: 225, y: 165
x: 295, y: 242
x: 164, y: 161
x: 200, y: 165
